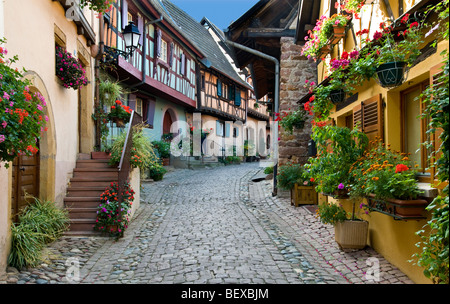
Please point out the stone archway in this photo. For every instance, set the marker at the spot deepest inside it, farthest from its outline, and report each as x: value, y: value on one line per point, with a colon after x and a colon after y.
x: 47, y: 143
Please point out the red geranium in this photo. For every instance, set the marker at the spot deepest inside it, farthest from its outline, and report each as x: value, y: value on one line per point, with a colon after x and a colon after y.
x: 400, y: 168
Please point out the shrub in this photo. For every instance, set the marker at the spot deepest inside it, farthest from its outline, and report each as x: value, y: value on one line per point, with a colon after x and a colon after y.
x: 39, y: 223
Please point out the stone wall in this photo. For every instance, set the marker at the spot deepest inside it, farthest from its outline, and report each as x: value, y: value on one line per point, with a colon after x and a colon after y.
x: 294, y: 70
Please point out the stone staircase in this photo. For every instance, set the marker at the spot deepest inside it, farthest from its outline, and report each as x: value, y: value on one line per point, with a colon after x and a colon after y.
x: 90, y: 178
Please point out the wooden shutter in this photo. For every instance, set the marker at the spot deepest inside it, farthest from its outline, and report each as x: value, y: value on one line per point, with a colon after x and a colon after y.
x: 132, y: 101
x: 237, y: 97
x: 171, y: 48
x: 368, y: 115
x: 227, y: 129
x: 219, y: 87
x: 124, y: 13
x: 183, y: 64
x: 140, y: 26
x: 158, y: 42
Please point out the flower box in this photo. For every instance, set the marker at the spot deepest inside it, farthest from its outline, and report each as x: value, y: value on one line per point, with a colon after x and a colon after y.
x: 398, y: 209
x: 351, y: 234
x: 338, y: 194
x: 325, y: 50
x: 303, y: 195
x: 338, y: 34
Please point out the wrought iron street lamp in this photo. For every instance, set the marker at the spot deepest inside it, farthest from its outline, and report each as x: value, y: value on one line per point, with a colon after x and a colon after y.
x: 131, y: 36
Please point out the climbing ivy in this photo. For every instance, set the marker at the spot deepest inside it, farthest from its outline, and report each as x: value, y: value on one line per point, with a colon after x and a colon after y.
x: 434, y: 243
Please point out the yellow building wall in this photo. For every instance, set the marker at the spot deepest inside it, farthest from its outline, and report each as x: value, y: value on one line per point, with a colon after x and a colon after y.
x: 393, y: 239
x: 29, y: 27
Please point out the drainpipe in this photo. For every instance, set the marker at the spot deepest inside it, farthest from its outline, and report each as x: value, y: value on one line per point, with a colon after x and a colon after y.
x: 144, y: 50
x: 276, y: 101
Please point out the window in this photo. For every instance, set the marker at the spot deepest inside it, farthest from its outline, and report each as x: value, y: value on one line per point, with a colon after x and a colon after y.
x: 163, y: 50
x: 129, y: 18
x: 139, y: 106
x: 414, y: 129
x: 225, y: 91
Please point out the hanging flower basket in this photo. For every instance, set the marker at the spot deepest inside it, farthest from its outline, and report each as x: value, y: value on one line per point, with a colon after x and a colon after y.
x: 391, y: 74
x: 337, y: 96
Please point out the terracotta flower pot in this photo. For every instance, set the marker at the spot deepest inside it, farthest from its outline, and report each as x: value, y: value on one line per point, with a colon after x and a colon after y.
x: 351, y: 234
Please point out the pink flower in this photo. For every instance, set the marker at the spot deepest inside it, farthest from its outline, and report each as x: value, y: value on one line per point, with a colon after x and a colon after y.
x: 377, y: 35
x: 2, y: 138
x: 4, y: 124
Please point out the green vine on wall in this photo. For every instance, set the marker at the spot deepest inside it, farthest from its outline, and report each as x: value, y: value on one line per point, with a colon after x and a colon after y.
x: 435, y: 251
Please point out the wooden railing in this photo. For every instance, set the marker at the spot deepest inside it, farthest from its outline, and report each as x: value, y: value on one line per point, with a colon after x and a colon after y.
x: 124, y: 167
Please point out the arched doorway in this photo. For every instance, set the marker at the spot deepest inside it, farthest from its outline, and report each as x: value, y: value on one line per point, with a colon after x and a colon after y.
x: 167, y: 122
x: 47, y: 143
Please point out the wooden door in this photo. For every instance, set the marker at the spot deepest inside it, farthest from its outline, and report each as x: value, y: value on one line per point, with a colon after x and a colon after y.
x: 25, y: 182
x: 167, y: 122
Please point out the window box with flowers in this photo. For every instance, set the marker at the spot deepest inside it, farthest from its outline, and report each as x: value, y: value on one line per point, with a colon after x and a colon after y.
x: 120, y: 114
x: 112, y: 218
x: 69, y: 70
x: 327, y: 32
x: 388, y: 181
x: 101, y: 6
x: 22, y: 116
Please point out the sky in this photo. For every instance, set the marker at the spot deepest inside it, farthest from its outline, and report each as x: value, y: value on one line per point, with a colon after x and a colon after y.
x: 219, y: 12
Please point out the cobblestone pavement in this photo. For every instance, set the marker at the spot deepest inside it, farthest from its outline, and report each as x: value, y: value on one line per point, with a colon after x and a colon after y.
x: 212, y: 226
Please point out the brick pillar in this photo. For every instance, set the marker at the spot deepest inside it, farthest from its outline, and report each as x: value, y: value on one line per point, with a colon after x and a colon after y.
x: 294, y: 70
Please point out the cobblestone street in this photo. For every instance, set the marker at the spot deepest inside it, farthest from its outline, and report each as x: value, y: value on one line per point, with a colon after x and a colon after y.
x: 212, y: 226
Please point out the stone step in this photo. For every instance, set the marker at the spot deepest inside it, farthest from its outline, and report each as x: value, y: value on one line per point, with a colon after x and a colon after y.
x: 96, y: 172
x: 91, y: 182
x: 81, y: 225
x: 94, y: 163
x: 82, y: 213
x: 81, y: 202
x: 85, y: 191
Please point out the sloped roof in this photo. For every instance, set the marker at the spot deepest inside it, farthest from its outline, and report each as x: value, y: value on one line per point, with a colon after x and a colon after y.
x: 199, y: 36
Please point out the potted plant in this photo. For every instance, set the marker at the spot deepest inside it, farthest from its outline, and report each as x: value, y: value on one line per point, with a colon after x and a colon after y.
x: 112, y: 218
x: 337, y: 149
x: 101, y: 6
x: 163, y: 150
x: 22, y: 118
x: 157, y: 172
x: 394, y: 57
x: 294, y: 178
x: 69, y: 70
x: 349, y: 232
x: 289, y: 121
x: 320, y: 40
x: 109, y: 92
x: 387, y: 179
x: 120, y: 114
x: 142, y: 155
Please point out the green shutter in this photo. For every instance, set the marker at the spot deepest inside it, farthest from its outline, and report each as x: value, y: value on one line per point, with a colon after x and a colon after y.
x: 219, y: 87
x: 237, y: 97
x: 227, y: 130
